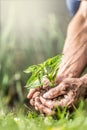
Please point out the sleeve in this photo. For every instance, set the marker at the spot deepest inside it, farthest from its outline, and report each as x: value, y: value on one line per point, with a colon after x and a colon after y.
x: 72, y: 6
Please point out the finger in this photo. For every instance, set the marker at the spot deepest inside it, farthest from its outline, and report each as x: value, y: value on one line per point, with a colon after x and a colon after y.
x: 36, y: 94
x: 62, y: 103
x: 42, y: 108
x: 32, y: 102
x: 71, y: 99
x: 55, y: 92
x: 37, y: 99
x: 31, y: 92
x: 52, y: 104
x: 47, y: 103
x: 36, y: 108
x: 67, y: 101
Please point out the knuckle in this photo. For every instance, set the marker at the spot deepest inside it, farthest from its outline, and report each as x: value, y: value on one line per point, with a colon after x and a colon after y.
x: 32, y: 102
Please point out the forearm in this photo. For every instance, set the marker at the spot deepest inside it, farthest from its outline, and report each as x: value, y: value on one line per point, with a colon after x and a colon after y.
x: 75, y: 49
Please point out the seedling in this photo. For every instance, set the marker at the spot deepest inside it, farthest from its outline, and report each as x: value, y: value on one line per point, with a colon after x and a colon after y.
x: 48, y: 68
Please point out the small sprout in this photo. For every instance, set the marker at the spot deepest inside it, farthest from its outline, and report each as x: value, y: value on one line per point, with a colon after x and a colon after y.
x: 49, y: 69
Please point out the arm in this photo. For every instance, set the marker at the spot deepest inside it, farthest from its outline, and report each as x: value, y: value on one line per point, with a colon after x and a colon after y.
x: 75, y: 49
x: 73, y: 63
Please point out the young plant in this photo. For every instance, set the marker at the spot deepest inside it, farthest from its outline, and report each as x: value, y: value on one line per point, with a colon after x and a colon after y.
x: 48, y: 68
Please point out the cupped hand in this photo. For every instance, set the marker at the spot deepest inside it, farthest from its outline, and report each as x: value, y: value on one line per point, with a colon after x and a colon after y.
x: 66, y: 94
x: 45, y: 82
x: 71, y: 89
x: 37, y: 100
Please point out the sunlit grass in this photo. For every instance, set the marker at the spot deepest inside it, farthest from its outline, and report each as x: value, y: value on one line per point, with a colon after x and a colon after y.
x: 77, y: 120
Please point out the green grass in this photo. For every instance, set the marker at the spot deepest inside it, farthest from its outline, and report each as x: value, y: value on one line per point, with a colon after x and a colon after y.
x: 31, y: 121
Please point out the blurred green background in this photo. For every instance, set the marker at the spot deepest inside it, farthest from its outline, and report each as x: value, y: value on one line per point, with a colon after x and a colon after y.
x: 30, y: 32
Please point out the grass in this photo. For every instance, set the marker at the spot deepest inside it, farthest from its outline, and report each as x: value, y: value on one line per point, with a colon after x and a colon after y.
x: 31, y: 121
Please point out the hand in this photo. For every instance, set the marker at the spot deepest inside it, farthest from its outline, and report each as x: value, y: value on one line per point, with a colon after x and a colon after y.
x: 35, y: 96
x: 72, y: 89
x: 45, y: 82
x: 35, y: 93
x: 36, y: 102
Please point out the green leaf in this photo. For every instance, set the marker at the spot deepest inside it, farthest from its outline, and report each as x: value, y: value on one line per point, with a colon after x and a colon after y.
x: 49, y: 68
x: 34, y: 84
x: 31, y: 69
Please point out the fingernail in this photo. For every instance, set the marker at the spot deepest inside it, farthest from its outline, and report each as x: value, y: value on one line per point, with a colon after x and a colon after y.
x: 28, y: 95
x: 45, y: 95
x: 36, y: 108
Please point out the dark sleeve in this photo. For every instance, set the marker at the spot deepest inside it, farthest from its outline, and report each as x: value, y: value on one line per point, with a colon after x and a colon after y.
x: 72, y: 6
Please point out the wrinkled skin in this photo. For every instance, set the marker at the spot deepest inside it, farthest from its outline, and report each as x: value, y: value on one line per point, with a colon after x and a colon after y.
x: 72, y: 89
x: 74, y: 61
